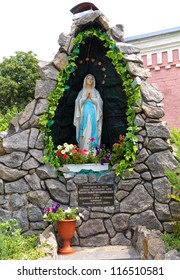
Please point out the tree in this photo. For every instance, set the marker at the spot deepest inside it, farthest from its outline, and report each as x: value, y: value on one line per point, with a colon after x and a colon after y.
x: 18, y: 75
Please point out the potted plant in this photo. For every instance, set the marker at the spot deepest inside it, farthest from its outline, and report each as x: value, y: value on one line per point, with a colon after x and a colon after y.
x: 66, y: 223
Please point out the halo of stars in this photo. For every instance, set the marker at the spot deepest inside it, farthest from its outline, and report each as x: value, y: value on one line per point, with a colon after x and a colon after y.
x: 93, y: 60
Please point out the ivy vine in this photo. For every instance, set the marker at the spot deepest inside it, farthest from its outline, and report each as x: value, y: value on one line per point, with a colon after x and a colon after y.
x: 133, y: 98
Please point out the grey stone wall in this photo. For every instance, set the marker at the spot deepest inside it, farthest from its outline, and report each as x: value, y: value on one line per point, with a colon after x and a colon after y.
x: 27, y: 186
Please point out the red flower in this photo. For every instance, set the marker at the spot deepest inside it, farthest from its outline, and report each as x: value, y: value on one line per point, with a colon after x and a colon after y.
x: 116, y: 145
x: 121, y: 137
x: 92, y: 139
x: 85, y: 152
x: 58, y: 154
x: 64, y: 156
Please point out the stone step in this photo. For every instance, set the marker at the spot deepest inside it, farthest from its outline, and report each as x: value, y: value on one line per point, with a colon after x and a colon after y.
x: 102, y: 253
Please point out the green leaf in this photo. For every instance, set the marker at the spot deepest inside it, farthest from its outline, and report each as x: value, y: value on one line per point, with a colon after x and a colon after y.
x: 76, y: 51
x: 66, y: 87
x: 50, y: 123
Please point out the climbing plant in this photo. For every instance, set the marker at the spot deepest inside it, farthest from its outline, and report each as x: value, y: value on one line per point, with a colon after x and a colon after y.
x: 133, y: 98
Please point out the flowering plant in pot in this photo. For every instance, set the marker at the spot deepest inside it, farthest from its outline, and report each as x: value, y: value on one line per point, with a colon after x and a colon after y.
x: 66, y: 223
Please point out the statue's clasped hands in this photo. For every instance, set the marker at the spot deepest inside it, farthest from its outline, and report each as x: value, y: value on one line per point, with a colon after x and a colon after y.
x: 88, y: 95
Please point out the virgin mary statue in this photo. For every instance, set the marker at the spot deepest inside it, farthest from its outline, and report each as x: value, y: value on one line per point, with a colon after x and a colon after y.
x: 88, y: 115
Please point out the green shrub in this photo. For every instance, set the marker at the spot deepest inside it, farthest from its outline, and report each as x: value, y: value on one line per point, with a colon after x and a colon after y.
x: 171, y: 241
x: 175, y: 140
x: 15, y: 246
x: 174, y: 175
x: 5, y: 119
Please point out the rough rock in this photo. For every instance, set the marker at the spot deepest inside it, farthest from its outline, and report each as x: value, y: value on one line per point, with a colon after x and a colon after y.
x: 13, y: 160
x: 120, y: 239
x: 60, y: 60
x: 48, y: 71
x: 152, y: 111
x: 48, y: 238
x: 43, y: 88
x: 33, y: 181
x: 57, y: 191
x: 157, y: 144
x: 34, y: 213
x: 158, y: 185
x: 95, y: 241
x: 138, y: 200
x: 39, y: 198
x: 91, y: 227
x: 157, y: 130
x: 137, y: 70
x: 28, y: 111
x: 150, y: 93
x: 158, y: 162
x: 9, y: 174
x: 120, y: 221
x: 147, y: 219
x: 16, y: 201
x: 17, y: 142
x: 46, y: 171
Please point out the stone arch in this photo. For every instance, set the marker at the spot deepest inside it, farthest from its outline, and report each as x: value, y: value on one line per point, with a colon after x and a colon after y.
x: 92, y: 59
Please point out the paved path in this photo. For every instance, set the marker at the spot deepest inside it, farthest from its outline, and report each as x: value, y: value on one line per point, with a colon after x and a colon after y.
x: 102, y: 253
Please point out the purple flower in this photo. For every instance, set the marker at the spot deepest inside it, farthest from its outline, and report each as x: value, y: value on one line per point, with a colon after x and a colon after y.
x: 102, y: 146
x: 108, y: 156
x: 47, y: 210
x: 103, y: 161
x: 97, y: 151
x: 55, y: 207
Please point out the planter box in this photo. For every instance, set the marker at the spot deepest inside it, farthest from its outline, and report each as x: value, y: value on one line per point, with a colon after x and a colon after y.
x: 87, y: 166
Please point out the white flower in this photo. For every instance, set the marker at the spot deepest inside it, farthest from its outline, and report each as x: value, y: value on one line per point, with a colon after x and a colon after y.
x: 59, y: 147
x: 65, y: 144
x: 67, y: 149
x: 71, y: 146
x: 68, y: 210
x: 81, y: 215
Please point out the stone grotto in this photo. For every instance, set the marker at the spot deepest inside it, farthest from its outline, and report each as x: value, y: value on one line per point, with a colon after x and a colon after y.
x: 141, y: 197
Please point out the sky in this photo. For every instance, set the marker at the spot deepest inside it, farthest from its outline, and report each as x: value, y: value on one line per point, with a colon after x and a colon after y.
x: 35, y: 25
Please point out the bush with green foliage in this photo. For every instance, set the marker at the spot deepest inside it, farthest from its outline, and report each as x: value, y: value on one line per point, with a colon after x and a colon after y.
x: 172, y: 241
x: 5, y: 119
x: 18, y: 75
x: 15, y: 246
x: 174, y: 176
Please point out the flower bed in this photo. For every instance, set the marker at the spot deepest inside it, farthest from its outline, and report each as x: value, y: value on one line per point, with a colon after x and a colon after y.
x: 71, y: 154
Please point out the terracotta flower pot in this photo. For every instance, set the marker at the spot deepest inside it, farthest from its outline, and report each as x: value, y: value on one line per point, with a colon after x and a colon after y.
x: 66, y: 230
